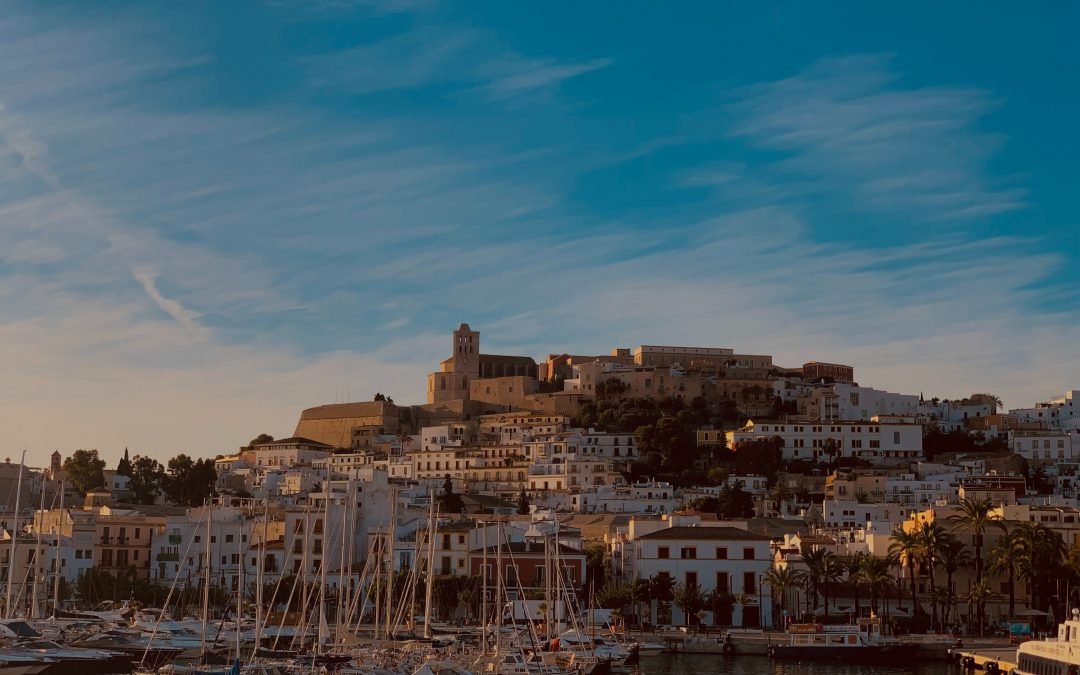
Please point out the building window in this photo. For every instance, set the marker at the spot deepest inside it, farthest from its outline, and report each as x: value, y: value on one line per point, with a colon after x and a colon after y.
x: 663, y: 552
x: 688, y: 553
x: 691, y: 578
x: 749, y: 583
x: 748, y: 553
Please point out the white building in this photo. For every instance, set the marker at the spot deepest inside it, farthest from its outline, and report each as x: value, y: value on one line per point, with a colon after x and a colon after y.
x: 908, y: 490
x: 840, y: 514
x: 1057, y: 413
x: 649, y: 497
x: 1049, y: 446
x: 843, y: 401
x: 954, y: 415
x: 726, y: 558
x: 290, y: 452
x: 876, y: 442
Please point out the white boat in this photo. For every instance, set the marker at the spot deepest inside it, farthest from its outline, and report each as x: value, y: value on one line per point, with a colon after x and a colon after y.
x: 1053, y: 656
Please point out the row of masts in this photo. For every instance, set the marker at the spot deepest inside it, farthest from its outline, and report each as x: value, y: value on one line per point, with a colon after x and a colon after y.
x: 384, y: 618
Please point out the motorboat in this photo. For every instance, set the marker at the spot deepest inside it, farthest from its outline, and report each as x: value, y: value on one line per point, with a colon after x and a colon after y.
x: 62, y: 660
x: 860, y: 642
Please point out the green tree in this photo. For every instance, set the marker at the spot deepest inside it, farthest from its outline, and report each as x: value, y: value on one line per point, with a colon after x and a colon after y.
x: 85, y: 470
x: 781, y: 580
x: 853, y: 568
x: 735, y: 502
x: 830, y: 448
x: 761, y: 457
x: 523, y: 503
x: 189, y: 482
x: 691, y: 600
x: 667, y: 445
x: 1007, y: 557
x: 878, y: 579
x: 930, y: 537
x: 146, y: 475
x: 905, y: 548
x: 952, y: 556
x: 595, y: 566
x: 124, y: 467
x: 1042, y: 553
x: 261, y: 439
x: 449, y: 501
x: 976, y: 599
x: 615, y: 595
x: 823, y: 570
x: 976, y: 516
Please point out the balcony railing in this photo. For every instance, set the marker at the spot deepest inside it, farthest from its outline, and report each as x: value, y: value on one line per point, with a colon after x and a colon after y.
x: 168, y: 557
x: 175, y: 539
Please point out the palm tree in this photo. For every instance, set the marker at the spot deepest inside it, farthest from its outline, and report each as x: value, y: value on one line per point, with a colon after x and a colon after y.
x: 853, y: 568
x: 952, y: 556
x: 814, y: 561
x: 975, y: 516
x: 877, y: 577
x: 905, y: 548
x: 1042, y: 553
x: 929, y: 537
x: 1007, y: 557
x: 781, y: 580
x: 976, y: 599
x: 823, y: 569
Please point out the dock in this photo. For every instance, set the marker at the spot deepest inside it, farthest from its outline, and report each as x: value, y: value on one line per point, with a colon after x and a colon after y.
x: 986, y: 660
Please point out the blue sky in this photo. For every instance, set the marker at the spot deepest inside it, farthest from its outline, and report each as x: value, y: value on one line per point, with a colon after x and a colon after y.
x: 215, y: 214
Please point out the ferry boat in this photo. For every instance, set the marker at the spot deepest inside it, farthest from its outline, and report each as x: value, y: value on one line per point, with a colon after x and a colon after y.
x: 1053, y: 656
x: 859, y: 642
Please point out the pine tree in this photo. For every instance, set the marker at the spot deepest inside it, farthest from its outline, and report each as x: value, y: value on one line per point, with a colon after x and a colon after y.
x: 124, y: 467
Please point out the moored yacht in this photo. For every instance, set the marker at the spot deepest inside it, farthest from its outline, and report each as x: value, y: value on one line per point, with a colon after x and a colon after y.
x: 860, y: 642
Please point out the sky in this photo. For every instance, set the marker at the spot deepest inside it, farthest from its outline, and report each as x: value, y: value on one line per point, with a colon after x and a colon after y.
x: 214, y: 215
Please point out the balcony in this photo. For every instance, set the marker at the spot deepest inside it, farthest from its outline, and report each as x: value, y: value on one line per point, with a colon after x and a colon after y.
x: 175, y: 539
x: 168, y: 557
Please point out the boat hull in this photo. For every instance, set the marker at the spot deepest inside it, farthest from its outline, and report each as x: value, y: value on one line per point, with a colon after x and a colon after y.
x: 860, y: 653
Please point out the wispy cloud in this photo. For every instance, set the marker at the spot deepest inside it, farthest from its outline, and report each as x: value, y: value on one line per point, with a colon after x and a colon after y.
x: 454, y: 57
x: 187, y: 318
x: 517, y: 77
x: 855, y: 123
x: 409, y: 59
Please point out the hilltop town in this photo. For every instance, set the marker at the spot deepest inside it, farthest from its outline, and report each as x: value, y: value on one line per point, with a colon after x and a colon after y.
x: 682, y: 486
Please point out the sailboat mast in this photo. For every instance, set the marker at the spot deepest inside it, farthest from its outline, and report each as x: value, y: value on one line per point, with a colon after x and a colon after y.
x: 391, y: 528
x: 483, y: 590
x: 342, y: 593
x: 498, y: 586
x: 324, y: 559
x: 14, y: 536
x: 37, y: 554
x: 259, y: 572
x: 206, y: 583
x: 56, y: 555
x: 239, y: 584
x: 430, y: 566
